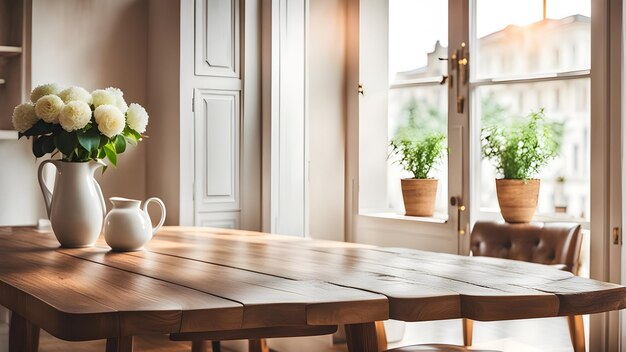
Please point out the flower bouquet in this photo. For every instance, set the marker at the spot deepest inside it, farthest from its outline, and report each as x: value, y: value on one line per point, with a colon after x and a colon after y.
x: 82, y: 126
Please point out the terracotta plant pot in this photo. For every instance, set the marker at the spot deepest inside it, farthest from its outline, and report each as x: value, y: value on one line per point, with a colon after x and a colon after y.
x: 419, y: 196
x: 518, y: 199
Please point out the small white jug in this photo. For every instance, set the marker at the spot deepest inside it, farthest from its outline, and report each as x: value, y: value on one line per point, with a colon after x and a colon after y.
x: 127, y: 227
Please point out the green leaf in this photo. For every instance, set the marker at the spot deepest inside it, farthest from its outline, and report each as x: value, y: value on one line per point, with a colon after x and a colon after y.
x: 82, y: 154
x: 120, y: 144
x: 47, y: 144
x: 109, y: 150
x: 38, y: 147
x: 90, y: 140
x: 130, y: 140
x: 131, y: 135
x: 103, y: 140
x: 66, y: 142
x: 42, y: 127
x: 101, y: 153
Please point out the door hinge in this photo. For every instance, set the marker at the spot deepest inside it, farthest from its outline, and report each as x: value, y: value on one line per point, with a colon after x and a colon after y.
x: 617, y: 236
x: 193, y: 104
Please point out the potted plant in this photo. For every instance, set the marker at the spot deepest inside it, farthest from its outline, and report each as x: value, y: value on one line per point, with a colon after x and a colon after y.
x: 519, y: 152
x: 418, y: 156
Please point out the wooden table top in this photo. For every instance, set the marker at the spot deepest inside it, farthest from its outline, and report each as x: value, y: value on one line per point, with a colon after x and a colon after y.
x: 192, y: 279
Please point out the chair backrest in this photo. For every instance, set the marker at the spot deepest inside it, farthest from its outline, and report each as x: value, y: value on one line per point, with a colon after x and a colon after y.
x: 549, y: 243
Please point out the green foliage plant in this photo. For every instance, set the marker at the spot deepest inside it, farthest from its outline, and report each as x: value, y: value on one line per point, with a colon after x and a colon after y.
x: 521, y: 150
x: 419, y: 155
x: 81, y: 145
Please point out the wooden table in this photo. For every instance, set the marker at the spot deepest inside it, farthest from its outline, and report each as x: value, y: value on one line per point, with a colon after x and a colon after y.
x: 213, y: 280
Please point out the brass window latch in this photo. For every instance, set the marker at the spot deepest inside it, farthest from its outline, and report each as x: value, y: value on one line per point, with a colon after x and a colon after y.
x: 617, y: 236
x: 457, y: 65
x: 460, y: 208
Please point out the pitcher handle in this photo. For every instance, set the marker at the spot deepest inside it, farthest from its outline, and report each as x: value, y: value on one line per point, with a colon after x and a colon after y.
x: 47, y: 194
x: 102, y: 202
x: 163, y: 212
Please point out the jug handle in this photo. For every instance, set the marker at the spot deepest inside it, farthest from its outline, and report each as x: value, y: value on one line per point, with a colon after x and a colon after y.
x: 163, y: 212
x: 99, y: 190
x: 45, y: 190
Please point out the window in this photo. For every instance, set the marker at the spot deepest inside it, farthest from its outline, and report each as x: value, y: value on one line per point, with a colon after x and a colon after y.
x: 502, y: 96
x: 519, y: 62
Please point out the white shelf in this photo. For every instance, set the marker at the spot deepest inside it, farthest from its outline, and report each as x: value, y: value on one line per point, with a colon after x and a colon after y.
x: 10, y: 50
x: 7, y: 135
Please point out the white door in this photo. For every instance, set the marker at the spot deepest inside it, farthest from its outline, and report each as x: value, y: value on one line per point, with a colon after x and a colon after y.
x: 407, y: 73
x: 220, y: 103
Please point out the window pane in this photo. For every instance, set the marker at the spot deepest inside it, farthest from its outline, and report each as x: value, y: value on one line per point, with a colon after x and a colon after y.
x: 565, y: 181
x: 514, y: 39
x: 428, y: 107
x: 418, y: 37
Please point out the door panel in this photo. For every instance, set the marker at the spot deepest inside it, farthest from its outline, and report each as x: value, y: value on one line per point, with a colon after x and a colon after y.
x: 227, y: 220
x: 217, y: 149
x: 217, y: 43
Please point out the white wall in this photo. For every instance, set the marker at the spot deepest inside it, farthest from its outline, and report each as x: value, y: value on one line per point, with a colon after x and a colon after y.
x: 97, y: 44
x: 327, y: 118
x: 163, y: 157
x: 21, y: 202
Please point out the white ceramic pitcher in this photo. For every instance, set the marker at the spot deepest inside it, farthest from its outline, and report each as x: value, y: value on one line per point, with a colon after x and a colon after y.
x: 76, y: 206
x: 127, y: 227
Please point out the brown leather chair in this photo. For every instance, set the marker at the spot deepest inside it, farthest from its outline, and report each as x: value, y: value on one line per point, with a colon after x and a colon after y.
x: 556, y: 244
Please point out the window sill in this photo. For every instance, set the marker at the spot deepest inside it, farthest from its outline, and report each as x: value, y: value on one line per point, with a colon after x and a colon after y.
x: 437, y: 218
x: 493, y: 214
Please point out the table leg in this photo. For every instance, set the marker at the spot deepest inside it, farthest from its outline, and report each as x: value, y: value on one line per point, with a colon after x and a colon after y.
x: 362, y: 337
x: 23, y: 335
x: 199, y: 346
x: 120, y: 344
x: 216, y: 346
x: 257, y: 345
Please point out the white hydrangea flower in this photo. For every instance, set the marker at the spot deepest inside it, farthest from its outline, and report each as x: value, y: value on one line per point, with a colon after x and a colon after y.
x: 48, y: 108
x: 75, y: 115
x: 102, y: 97
x: 137, y: 117
x: 24, y: 117
x: 44, y: 89
x: 119, y: 98
x: 75, y: 94
x: 110, y: 120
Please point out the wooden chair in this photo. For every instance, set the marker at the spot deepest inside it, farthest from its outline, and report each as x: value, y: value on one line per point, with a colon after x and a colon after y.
x: 556, y: 244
